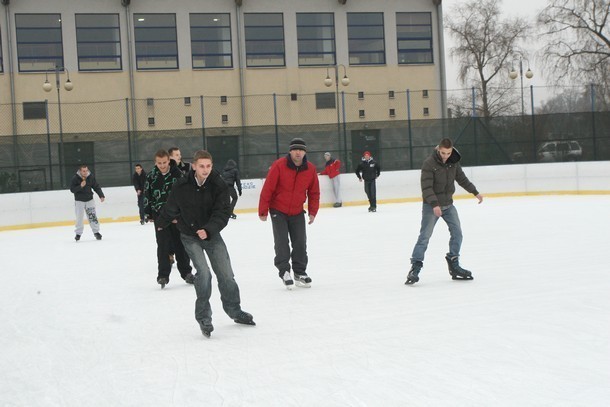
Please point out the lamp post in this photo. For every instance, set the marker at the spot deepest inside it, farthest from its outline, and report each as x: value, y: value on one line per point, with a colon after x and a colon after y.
x: 345, y: 82
x: 47, y: 87
x: 513, y: 75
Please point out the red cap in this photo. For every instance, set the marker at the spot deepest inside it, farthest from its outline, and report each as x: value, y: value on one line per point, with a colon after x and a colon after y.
x: 367, y: 152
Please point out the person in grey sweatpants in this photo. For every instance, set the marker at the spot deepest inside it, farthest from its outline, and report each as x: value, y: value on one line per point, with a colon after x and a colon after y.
x: 82, y: 186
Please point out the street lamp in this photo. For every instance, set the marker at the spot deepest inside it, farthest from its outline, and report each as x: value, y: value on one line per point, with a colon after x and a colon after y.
x: 345, y: 82
x: 47, y: 87
x: 513, y: 75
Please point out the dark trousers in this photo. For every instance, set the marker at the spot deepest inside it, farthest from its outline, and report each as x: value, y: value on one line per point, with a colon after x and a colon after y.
x: 168, y: 239
x: 371, y: 192
x: 286, y: 230
x: 233, y: 194
x: 141, y: 206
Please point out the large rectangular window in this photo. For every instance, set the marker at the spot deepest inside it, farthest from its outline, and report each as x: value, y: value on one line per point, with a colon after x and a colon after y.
x: 211, y: 41
x: 156, y: 41
x: 316, y: 38
x: 39, y: 42
x: 366, y: 39
x: 98, y: 42
x: 264, y: 39
x: 414, y: 32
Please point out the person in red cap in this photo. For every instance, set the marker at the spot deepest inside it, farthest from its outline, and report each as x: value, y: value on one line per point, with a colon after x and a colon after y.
x: 290, y: 181
x: 332, y: 168
x: 369, y: 170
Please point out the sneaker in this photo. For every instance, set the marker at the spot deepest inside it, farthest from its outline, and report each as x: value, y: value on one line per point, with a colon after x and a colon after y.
x: 287, y: 278
x: 162, y: 281
x: 98, y: 236
x: 302, y: 280
x: 206, y: 330
x: 189, y: 278
x: 244, y: 318
x: 77, y: 238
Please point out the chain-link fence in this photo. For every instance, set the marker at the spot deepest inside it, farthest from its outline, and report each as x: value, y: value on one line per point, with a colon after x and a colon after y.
x: 42, y: 144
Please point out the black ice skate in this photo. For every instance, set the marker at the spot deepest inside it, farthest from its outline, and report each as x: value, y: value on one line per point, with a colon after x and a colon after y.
x: 287, y: 279
x: 233, y: 216
x: 189, y: 278
x: 162, y: 281
x: 457, y: 272
x: 244, y: 318
x: 302, y: 280
x: 98, y: 236
x: 77, y: 238
x: 413, y: 276
x: 206, y: 330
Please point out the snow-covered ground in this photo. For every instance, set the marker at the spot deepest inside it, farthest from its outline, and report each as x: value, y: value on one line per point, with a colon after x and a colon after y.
x: 85, y: 324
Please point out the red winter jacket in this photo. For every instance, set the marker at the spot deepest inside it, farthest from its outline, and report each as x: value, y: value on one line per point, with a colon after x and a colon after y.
x: 288, y: 186
x: 332, y: 169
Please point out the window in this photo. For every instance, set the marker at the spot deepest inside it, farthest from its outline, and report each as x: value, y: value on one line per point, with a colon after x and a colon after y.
x: 325, y: 100
x: 426, y: 111
x: 188, y: 120
x: 34, y: 110
x: 361, y: 113
x: 264, y: 34
x: 187, y: 101
x: 223, y: 100
x: 316, y: 39
x: 391, y: 94
x: 360, y: 95
x: 151, y: 121
x: 392, y: 112
x: 39, y: 42
x: 98, y: 42
x: 211, y: 41
x: 424, y: 93
x: 414, y: 31
x: 225, y: 118
x: 293, y: 97
x: 366, y: 39
x: 156, y: 41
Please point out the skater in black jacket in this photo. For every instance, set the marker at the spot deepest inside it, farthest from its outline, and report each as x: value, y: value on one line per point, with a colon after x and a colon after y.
x: 82, y: 186
x: 159, y: 183
x: 200, y: 204
x: 138, y: 179
x: 369, y: 170
x: 231, y: 176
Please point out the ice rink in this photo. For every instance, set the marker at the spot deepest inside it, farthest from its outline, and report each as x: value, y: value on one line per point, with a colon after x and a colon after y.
x: 85, y: 324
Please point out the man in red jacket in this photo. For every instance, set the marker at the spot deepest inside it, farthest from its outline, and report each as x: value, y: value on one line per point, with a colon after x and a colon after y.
x: 291, y: 180
x: 333, y: 169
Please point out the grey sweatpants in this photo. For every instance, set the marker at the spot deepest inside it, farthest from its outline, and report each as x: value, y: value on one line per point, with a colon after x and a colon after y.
x: 81, y: 209
x: 336, y: 182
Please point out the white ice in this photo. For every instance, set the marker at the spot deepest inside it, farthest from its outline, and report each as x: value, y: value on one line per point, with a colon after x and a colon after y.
x: 85, y: 324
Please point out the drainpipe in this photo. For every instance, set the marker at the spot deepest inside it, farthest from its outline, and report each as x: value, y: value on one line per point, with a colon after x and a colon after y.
x: 240, y: 63
x: 441, y: 54
x: 130, y: 68
x: 11, y: 75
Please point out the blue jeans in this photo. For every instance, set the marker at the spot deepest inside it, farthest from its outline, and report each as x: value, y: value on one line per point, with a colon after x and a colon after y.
x: 217, y: 252
x: 428, y: 221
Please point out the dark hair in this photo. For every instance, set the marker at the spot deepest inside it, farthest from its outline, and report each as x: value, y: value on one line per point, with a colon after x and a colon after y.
x: 202, y: 154
x: 171, y: 150
x: 138, y: 165
x: 83, y: 165
x: 445, y: 143
x: 161, y: 154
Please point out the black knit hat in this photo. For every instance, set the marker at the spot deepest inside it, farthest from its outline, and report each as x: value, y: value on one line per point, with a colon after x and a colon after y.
x: 298, y: 144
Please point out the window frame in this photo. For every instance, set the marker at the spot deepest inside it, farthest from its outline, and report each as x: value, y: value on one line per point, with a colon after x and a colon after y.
x: 137, y: 42
x: 351, y: 39
x: 322, y: 40
x: 250, y: 54
x: 116, y: 28
x: 204, y: 55
x: 401, y: 39
x: 58, y: 58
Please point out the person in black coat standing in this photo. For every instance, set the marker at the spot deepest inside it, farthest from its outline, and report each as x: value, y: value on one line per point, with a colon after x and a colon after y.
x: 200, y: 204
x: 369, y: 170
x: 138, y: 179
x: 82, y: 186
x: 231, y: 176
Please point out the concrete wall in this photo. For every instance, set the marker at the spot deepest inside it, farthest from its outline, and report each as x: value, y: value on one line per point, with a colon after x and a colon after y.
x: 41, y: 209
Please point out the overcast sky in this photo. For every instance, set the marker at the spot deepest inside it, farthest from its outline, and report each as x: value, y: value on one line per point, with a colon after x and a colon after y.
x: 524, y: 8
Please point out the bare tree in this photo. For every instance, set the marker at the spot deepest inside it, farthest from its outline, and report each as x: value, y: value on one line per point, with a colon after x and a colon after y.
x: 486, y: 45
x: 579, y: 41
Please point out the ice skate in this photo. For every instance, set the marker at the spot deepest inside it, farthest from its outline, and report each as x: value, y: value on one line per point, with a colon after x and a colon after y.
x: 233, y: 216
x: 457, y: 272
x: 98, y: 236
x: 244, y: 318
x: 77, y: 238
x: 287, y: 279
x: 162, y: 281
x: 337, y: 205
x: 413, y: 276
x: 206, y: 330
x: 302, y: 280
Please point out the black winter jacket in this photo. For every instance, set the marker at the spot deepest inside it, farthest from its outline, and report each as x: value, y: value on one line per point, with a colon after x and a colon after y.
x: 85, y: 194
x: 157, y: 189
x: 370, y: 170
x: 438, y: 179
x: 231, y: 175
x: 198, y: 207
x: 139, y: 181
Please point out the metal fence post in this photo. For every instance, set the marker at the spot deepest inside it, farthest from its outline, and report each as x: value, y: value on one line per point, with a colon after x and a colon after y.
x: 474, y: 127
x: 409, y: 129
x: 277, y: 134
x: 533, y: 123
x: 347, y: 161
x: 593, y: 121
x: 128, y: 135
x: 204, y: 141
x: 46, y: 108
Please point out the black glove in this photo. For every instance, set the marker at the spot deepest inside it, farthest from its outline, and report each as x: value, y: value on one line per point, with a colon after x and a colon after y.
x: 239, y: 193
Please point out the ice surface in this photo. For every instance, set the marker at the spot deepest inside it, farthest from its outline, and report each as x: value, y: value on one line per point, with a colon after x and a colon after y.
x: 85, y: 324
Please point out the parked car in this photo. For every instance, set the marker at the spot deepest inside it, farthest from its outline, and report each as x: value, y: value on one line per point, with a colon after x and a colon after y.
x: 560, y: 150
